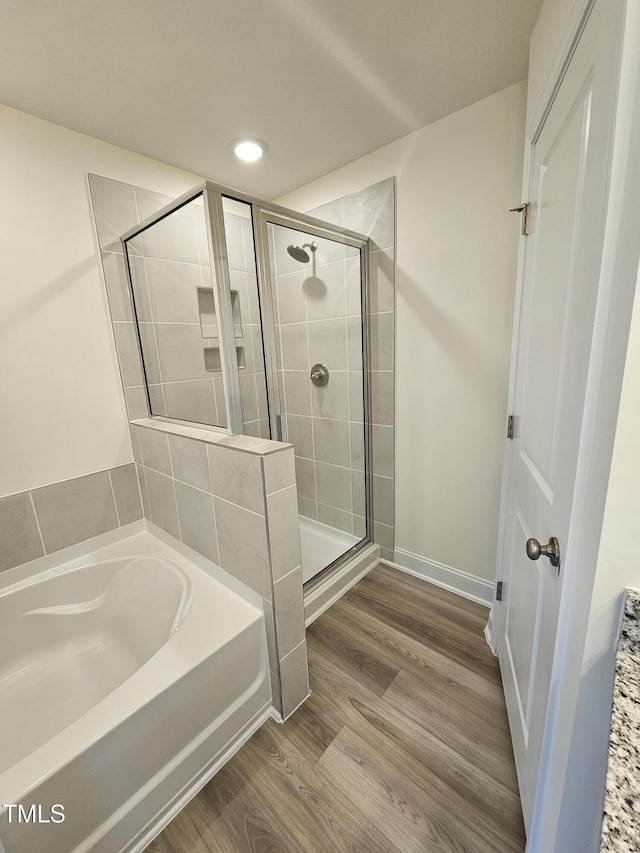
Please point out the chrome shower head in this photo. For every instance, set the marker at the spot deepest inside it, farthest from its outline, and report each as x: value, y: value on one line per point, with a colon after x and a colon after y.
x: 298, y: 252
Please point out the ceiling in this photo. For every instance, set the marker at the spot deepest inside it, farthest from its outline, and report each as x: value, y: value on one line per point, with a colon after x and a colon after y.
x: 323, y: 82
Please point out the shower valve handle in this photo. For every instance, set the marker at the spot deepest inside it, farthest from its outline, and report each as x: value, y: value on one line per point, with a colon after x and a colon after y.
x: 319, y: 375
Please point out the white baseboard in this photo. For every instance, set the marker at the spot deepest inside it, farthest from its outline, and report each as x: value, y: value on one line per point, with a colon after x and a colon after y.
x: 468, y: 586
x: 488, y: 632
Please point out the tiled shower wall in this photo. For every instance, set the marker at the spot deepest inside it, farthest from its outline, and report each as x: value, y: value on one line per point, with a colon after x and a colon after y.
x: 230, y: 498
x: 370, y: 211
x: 171, y: 273
x: 318, y: 320
x: 243, y: 280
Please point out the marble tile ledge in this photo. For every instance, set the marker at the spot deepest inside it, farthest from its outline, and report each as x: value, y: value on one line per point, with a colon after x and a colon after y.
x: 621, y: 822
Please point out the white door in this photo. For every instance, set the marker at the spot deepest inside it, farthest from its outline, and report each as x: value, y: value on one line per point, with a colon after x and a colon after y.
x: 568, y: 181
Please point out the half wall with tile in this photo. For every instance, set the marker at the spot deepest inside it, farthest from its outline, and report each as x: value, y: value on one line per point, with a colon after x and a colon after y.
x: 230, y: 498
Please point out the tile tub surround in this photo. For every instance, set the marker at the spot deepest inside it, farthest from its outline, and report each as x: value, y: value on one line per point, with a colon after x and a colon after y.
x: 621, y: 822
x: 233, y: 500
x: 50, y: 518
x: 370, y: 211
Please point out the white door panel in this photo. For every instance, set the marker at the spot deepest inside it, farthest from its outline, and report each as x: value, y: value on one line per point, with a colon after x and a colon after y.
x: 568, y: 178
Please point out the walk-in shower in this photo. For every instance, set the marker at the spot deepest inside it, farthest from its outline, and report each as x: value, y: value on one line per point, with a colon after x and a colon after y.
x: 234, y: 325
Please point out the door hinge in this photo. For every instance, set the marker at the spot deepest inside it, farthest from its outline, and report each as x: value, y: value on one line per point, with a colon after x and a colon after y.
x: 499, y: 588
x: 511, y: 426
x: 525, y: 211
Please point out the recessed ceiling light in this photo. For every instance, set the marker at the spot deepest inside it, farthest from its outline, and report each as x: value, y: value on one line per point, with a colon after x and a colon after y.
x: 249, y: 149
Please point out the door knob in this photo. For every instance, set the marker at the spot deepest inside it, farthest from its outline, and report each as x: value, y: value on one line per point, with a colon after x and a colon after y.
x: 550, y: 550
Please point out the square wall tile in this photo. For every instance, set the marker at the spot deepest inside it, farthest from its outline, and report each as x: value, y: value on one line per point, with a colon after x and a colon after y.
x: 189, y: 461
x: 333, y: 486
x: 382, y: 397
x: 181, y: 351
x: 290, y: 294
x: 328, y: 343
x: 154, y: 446
x: 307, y: 507
x: 382, y: 445
x: 243, y: 547
x: 383, y: 509
x: 127, y: 493
x: 300, y: 434
x: 306, y: 478
x: 332, y: 401
x: 358, y: 492
x: 338, y: 518
x: 297, y: 392
x: 382, y: 341
x: 279, y: 470
x: 294, y: 678
x: 197, y: 523
x: 272, y: 641
x: 331, y: 441
x: 149, y: 202
x: 383, y: 536
x: 162, y: 502
x: 136, y: 402
x: 173, y: 238
x: 289, y: 607
x: 293, y: 343
x: 236, y: 477
x: 194, y: 401
x: 144, y: 494
x: 19, y: 537
x: 75, y: 510
x: 128, y: 354
x: 325, y: 291
x: 284, y: 531
x: 173, y: 291
x: 381, y: 280
x: 115, y: 275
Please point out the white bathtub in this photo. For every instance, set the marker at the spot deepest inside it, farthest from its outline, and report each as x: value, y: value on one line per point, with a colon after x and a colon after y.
x: 127, y: 676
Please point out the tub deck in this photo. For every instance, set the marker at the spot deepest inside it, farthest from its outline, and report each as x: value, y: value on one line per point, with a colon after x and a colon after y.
x: 125, y: 675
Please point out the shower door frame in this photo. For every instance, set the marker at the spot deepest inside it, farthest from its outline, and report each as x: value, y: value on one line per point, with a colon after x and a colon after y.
x: 264, y: 215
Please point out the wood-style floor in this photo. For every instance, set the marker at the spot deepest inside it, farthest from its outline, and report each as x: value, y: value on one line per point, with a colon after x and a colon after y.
x: 402, y: 746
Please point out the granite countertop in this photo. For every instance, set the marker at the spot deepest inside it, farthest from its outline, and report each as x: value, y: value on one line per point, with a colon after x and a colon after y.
x: 621, y: 823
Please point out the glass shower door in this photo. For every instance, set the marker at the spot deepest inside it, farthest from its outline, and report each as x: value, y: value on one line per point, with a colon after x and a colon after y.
x: 317, y: 297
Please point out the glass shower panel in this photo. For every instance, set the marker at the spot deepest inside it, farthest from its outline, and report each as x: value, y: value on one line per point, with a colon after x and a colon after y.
x: 241, y: 259
x: 174, y: 303
x: 317, y: 295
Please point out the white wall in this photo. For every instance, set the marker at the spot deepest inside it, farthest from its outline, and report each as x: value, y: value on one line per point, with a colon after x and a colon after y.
x: 62, y: 407
x: 456, y: 268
